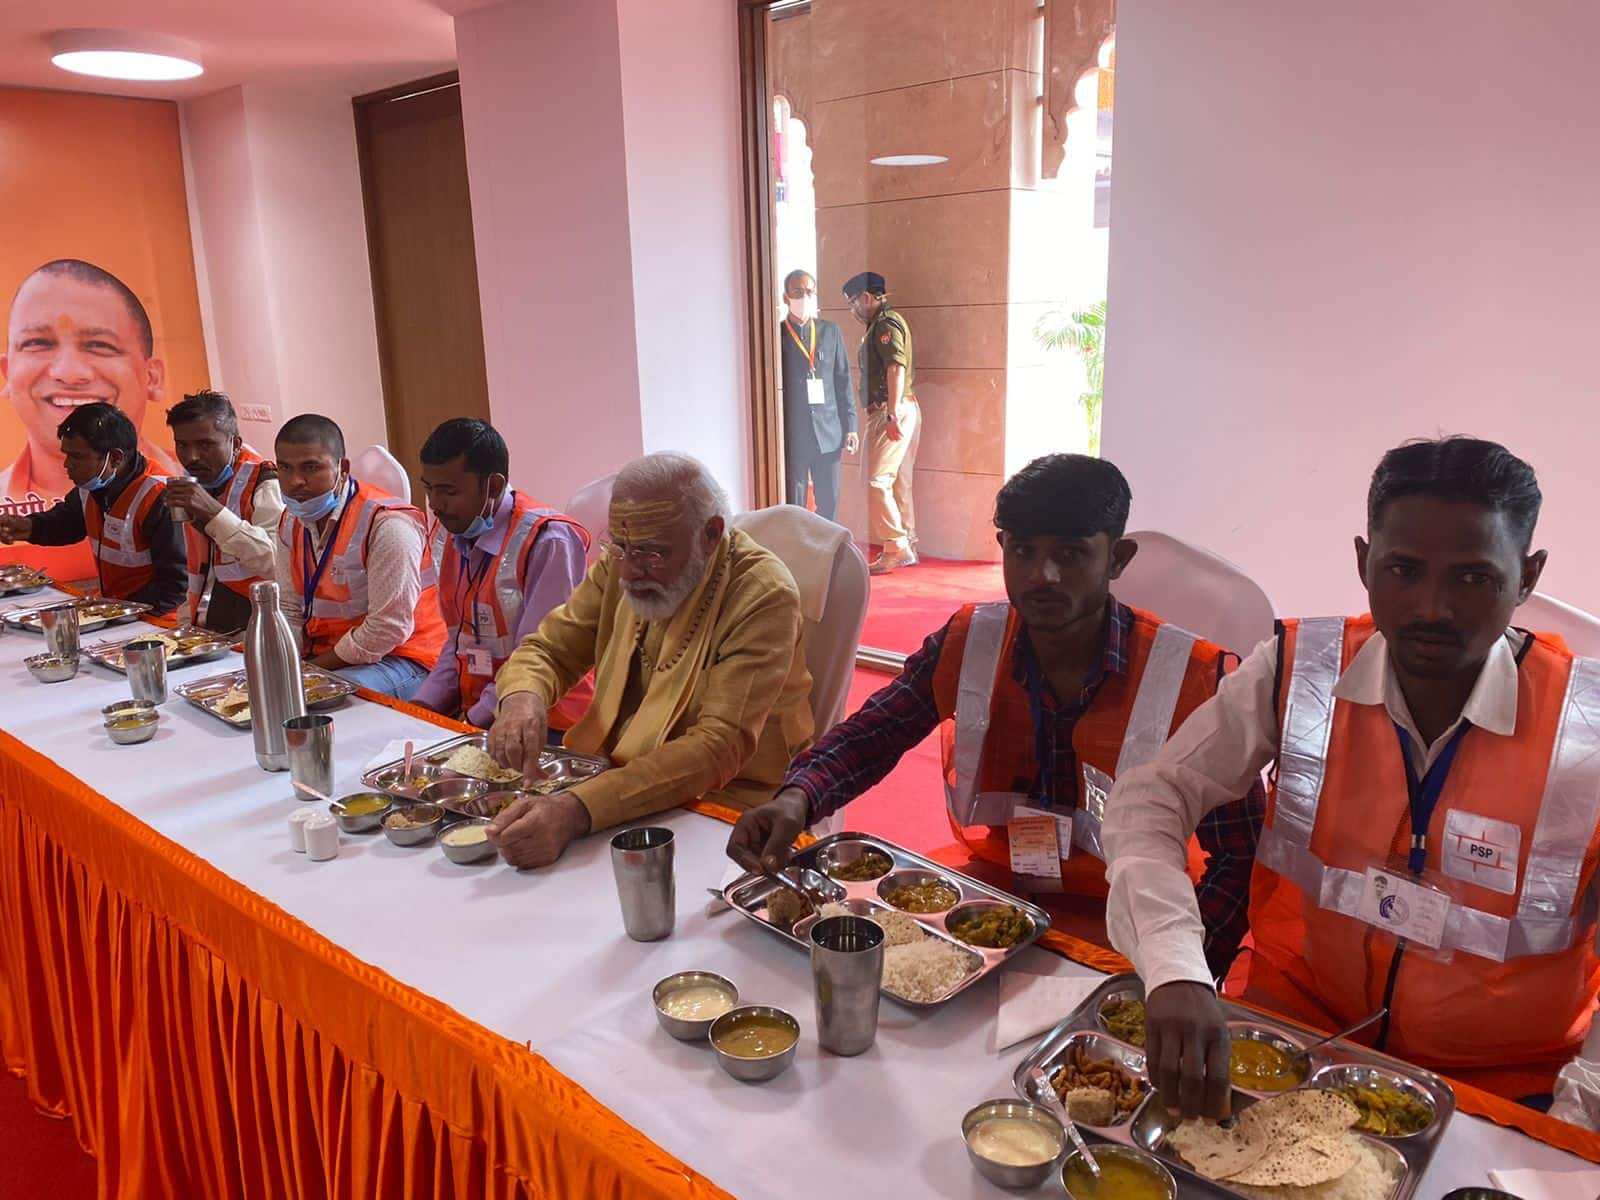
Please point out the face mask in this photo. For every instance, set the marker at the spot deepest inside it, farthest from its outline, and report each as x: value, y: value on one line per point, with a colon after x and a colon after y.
x: 480, y: 524
x: 100, y: 480
x: 803, y: 308
x: 314, y: 509
x: 212, y: 485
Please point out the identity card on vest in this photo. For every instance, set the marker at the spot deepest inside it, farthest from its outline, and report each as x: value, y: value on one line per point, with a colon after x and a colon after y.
x: 1404, y: 907
x: 814, y: 393
x: 479, y: 661
x: 1039, y: 841
x: 116, y: 529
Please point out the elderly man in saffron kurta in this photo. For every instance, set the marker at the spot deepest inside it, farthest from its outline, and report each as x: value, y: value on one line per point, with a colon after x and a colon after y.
x: 701, y: 689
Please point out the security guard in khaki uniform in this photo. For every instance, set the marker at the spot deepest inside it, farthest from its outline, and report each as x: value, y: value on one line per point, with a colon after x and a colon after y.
x: 894, y: 422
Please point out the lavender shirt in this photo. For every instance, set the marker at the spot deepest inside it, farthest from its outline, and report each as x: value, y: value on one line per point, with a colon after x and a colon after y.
x: 556, y: 565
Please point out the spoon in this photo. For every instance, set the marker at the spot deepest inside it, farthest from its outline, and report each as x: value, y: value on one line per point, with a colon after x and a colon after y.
x: 1302, y: 1058
x: 406, y: 770
x: 1039, y: 1084
x: 308, y: 790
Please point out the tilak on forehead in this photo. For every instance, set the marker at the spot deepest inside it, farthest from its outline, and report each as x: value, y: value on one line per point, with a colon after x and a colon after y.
x: 644, y: 520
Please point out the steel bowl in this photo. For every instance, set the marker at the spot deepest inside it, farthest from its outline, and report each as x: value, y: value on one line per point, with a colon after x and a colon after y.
x: 1106, y: 1151
x: 1007, y: 1175
x: 394, y: 780
x: 52, y: 668
x: 684, y: 1028
x: 133, y: 734
x: 490, y: 804
x: 1360, y: 1075
x: 754, y: 1070
x: 412, y: 835
x: 363, y: 822
x: 126, y: 708
x: 473, y: 851
x: 451, y: 793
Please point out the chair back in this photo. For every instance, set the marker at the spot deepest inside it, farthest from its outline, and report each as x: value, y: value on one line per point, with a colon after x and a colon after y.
x: 1196, y: 590
x: 1545, y: 614
x: 833, y: 580
x: 590, y: 506
x: 375, y: 465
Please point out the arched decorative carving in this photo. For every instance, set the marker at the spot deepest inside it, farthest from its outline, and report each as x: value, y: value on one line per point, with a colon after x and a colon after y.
x: 789, y: 60
x: 1074, y: 31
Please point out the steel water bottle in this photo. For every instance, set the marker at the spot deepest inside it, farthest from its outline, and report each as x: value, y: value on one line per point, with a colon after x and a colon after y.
x: 272, y: 676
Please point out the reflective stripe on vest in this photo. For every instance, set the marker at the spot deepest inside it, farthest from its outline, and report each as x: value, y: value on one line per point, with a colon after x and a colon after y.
x: 508, y: 587
x: 351, y: 566
x: 1568, y: 811
x: 120, y: 555
x: 225, y: 567
x: 1149, y: 722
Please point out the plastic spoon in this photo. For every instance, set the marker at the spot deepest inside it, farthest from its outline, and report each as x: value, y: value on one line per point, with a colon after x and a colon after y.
x: 406, y: 770
x: 308, y: 790
x: 1039, y: 1083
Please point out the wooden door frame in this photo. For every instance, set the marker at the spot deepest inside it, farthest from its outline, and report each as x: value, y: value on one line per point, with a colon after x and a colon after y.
x: 766, y: 447
x: 359, y: 105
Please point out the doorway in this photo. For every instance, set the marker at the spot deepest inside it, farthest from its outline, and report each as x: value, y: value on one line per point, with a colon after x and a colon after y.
x: 424, y: 269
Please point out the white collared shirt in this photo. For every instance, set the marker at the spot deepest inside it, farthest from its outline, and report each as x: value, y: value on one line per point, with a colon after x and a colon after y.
x: 1212, y: 760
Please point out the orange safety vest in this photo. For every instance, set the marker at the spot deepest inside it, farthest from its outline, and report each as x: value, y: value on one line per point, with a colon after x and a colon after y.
x: 116, y: 537
x: 987, y: 730
x: 229, y: 572
x: 495, y: 610
x: 340, y: 603
x: 1514, y: 1001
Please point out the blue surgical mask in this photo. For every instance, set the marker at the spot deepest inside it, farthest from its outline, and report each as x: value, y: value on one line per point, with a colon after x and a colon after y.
x: 106, y: 475
x: 223, y: 476
x: 481, y: 524
x: 314, y: 509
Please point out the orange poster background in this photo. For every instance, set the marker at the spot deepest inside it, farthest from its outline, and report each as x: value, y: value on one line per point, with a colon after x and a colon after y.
x: 99, y: 178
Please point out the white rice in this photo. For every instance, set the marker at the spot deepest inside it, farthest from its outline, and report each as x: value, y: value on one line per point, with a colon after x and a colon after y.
x: 1371, y: 1178
x: 925, y: 970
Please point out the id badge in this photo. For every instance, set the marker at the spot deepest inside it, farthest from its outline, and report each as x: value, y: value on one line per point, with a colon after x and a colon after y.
x: 117, y: 530
x: 814, y: 393
x: 1039, y: 841
x: 1399, y: 905
x: 479, y: 661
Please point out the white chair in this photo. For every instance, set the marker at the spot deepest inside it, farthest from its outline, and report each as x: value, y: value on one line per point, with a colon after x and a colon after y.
x: 1545, y: 614
x: 375, y: 465
x: 833, y: 580
x: 590, y: 506
x: 1196, y: 590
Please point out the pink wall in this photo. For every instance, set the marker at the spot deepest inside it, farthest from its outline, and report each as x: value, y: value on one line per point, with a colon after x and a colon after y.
x: 686, y: 217
x: 1338, y: 227
x: 602, y: 147
x: 542, y: 103
x: 281, y: 235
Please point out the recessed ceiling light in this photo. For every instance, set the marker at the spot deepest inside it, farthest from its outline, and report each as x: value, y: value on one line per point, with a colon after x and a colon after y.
x: 115, y: 54
x: 909, y: 160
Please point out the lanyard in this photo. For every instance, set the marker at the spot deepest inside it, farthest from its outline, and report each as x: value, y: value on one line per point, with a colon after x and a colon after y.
x: 1042, y: 730
x: 811, y: 351
x: 1424, y: 793
x: 309, y: 592
x: 473, y: 584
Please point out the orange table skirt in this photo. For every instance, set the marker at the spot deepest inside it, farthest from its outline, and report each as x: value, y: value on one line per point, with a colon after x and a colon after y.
x: 207, y: 1044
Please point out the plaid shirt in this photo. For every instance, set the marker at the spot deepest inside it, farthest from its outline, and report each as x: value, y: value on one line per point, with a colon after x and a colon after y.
x: 859, y: 751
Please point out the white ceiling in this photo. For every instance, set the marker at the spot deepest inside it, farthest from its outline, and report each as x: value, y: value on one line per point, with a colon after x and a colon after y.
x: 360, y: 45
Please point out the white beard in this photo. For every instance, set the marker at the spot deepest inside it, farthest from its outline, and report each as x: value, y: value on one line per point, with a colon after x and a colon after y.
x: 655, y: 602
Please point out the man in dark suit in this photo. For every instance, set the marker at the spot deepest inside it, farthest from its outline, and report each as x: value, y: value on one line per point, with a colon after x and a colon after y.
x: 819, y: 404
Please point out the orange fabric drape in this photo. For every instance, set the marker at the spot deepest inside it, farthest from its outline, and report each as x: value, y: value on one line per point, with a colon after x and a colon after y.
x: 208, y: 1044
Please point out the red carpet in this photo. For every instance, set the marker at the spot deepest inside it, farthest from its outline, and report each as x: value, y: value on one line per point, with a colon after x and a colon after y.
x: 910, y: 603
x: 42, y: 1157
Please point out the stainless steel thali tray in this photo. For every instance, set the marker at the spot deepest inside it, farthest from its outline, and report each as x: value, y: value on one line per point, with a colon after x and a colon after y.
x: 18, y: 580
x: 322, y: 691
x: 749, y: 895
x: 1337, y: 1064
x: 94, y: 612
x: 563, y: 769
x: 185, y: 647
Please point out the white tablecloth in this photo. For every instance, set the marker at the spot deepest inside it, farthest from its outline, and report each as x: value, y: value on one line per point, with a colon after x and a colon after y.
x: 540, y: 957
